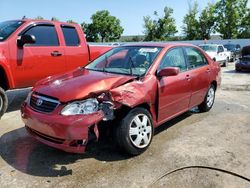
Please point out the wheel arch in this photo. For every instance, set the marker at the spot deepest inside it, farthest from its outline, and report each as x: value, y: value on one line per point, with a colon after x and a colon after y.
x: 214, y: 83
x: 121, y: 112
x: 4, y: 82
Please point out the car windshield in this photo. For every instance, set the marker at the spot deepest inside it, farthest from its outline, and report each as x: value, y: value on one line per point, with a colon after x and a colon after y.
x: 208, y: 48
x: 230, y: 47
x: 245, y: 51
x: 7, y: 28
x: 129, y: 60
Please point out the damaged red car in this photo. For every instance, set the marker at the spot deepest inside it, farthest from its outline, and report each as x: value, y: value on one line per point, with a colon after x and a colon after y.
x: 131, y: 89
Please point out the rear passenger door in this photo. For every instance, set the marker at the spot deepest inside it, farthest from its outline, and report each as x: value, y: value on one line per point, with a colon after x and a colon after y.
x: 199, y: 75
x: 76, y: 51
x: 174, y: 91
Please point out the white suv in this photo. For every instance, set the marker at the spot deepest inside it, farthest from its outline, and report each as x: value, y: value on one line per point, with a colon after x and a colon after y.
x: 217, y: 53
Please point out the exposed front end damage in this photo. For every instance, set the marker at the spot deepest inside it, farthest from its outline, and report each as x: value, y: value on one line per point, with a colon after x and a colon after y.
x: 72, y: 133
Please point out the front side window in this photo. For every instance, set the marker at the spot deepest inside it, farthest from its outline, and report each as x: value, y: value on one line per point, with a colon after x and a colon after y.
x: 8, y: 27
x: 45, y: 35
x: 129, y: 60
x: 220, y: 49
x: 70, y: 36
x: 174, y: 58
x: 195, y: 58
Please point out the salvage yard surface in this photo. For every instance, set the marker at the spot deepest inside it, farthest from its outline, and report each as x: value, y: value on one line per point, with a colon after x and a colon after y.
x: 218, y: 139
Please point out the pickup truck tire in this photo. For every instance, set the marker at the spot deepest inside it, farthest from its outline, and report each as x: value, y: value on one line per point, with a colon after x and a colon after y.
x: 135, y: 132
x: 208, y: 102
x: 225, y: 63
x: 3, y: 102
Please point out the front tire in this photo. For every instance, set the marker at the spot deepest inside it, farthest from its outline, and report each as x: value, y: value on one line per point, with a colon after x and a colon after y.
x: 238, y: 70
x: 3, y: 102
x: 208, y: 102
x: 226, y: 62
x: 135, y: 132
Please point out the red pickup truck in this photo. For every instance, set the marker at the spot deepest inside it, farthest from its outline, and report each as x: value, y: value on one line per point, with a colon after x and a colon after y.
x: 34, y: 49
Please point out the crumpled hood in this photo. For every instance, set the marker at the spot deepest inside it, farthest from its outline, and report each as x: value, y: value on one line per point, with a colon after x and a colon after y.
x: 78, y: 84
x: 212, y: 54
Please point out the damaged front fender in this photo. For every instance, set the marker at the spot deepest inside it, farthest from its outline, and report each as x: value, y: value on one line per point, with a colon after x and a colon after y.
x: 132, y: 94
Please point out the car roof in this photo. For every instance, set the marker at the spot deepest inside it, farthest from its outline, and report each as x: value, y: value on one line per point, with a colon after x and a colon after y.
x: 160, y: 44
x: 230, y: 44
x: 48, y: 21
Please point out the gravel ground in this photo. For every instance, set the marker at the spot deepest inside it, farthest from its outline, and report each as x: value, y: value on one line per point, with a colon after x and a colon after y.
x: 219, y: 139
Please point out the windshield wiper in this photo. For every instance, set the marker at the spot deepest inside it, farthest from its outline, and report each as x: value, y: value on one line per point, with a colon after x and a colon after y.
x: 131, y: 64
x: 106, y: 63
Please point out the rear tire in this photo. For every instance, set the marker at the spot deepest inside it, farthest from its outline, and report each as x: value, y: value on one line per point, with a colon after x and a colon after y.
x: 3, y: 102
x: 208, y: 102
x: 135, y: 132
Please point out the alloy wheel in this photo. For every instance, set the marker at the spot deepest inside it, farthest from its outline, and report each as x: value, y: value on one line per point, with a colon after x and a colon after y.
x: 1, y: 103
x: 140, y: 131
x: 210, y: 97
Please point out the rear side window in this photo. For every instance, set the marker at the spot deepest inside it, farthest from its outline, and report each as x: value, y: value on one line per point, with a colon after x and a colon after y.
x: 70, y: 36
x: 174, y: 58
x: 45, y: 35
x: 195, y: 58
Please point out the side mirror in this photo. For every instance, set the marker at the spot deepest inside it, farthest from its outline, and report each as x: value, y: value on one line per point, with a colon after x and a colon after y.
x: 169, y: 71
x: 26, y: 39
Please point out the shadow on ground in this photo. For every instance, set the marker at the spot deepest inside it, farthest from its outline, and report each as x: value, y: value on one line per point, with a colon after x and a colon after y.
x: 16, y: 98
x: 27, y: 155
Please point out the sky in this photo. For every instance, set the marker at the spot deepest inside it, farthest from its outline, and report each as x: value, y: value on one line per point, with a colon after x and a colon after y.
x: 130, y: 12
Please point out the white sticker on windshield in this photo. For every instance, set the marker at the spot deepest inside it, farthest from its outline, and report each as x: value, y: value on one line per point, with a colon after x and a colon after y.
x: 148, y: 50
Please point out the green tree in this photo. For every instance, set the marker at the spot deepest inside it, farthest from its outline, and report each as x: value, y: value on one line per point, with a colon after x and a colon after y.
x: 231, y: 15
x: 71, y: 21
x: 161, y: 28
x: 54, y: 19
x: 207, y: 21
x: 103, y: 26
x: 90, y: 32
x: 244, y: 30
x: 191, y: 27
x: 39, y: 18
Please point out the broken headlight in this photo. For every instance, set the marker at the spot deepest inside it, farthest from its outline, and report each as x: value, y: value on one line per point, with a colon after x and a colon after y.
x: 88, y: 106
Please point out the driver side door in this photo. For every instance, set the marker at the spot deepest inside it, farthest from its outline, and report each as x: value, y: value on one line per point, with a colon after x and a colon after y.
x: 44, y: 58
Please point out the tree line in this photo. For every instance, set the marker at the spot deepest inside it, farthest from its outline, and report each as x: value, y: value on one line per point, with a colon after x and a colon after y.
x: 229, y: 18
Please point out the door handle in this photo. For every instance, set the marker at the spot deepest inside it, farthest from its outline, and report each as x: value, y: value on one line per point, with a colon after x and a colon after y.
x: 56, y: 54
x: 208, y: 70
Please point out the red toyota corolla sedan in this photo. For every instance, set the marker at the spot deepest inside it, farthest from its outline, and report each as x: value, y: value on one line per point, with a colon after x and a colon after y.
x: 131, y: 89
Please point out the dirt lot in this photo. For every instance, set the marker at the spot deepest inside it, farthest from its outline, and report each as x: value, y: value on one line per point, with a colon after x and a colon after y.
x: 218, y: 139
